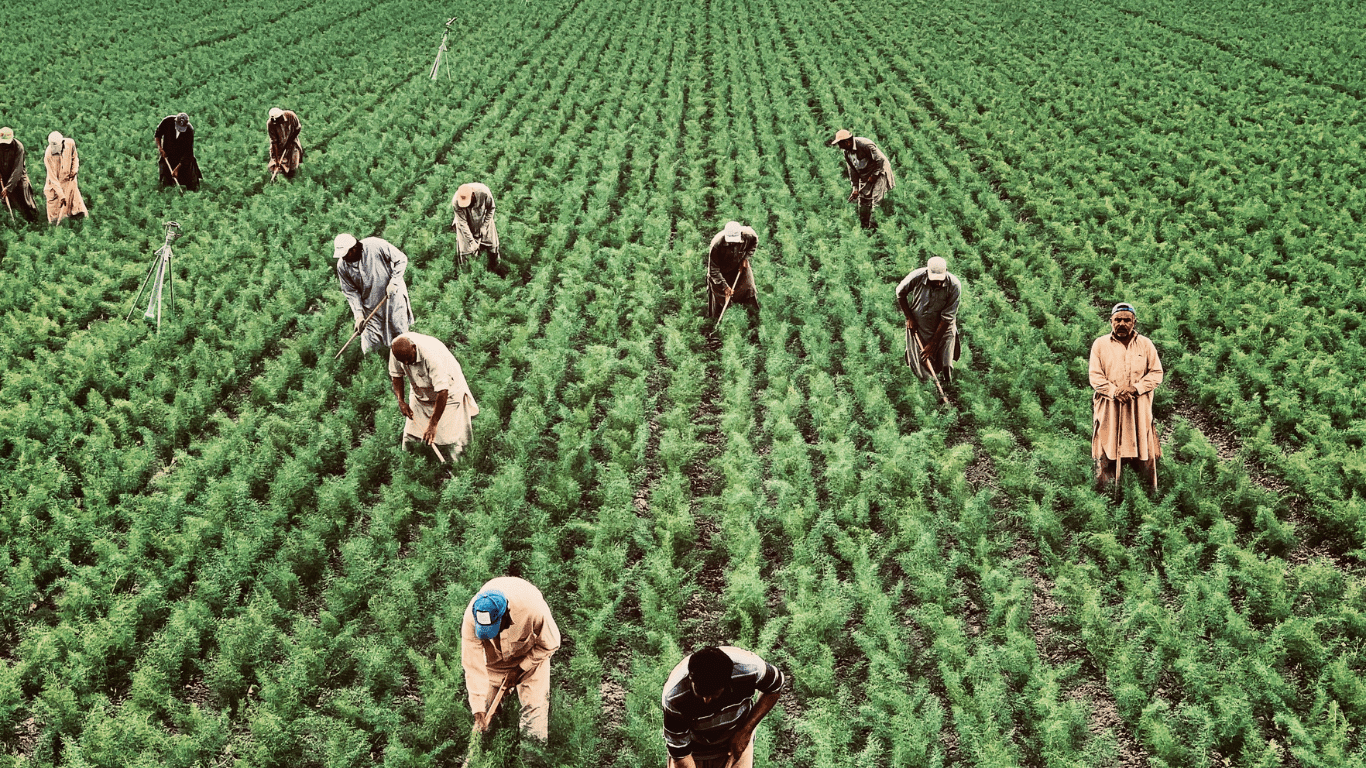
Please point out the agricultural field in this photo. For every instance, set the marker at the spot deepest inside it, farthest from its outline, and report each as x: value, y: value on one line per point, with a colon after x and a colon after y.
x: 214, y: 553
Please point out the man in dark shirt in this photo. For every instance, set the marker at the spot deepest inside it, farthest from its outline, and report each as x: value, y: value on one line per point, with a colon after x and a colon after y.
x: 14, y: 184
x: 729, y: 273
x: 709, y: 709
x: 175, y: 149
x: 929, y: 297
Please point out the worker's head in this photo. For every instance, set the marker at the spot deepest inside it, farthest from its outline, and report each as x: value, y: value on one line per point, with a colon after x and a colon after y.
x: 733, y: 232
x: 404, y: 350
x: 1122, y: 320
x: 843, y: 139
x: 346, y: 246
x: 463, y: 196
x: 709, y: 672
x: 6, y: 135
x: 276, y: 113
x: 490, y: 609
x: 54, y: 140
x: 936, y: 269
x: 182, y: 120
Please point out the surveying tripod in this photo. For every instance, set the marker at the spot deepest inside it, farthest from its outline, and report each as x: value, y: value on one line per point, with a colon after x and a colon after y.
x: 436, y: 65
x: 158, y: 275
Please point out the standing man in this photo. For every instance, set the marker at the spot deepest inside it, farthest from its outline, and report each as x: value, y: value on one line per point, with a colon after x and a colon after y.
x: 474, y: 226
x: 728, y: 269
x: 15, y: 187
x: 507, y: 639
x: 870, y: 173
x: 175, y: 145
x: 440, y: 406
x: 63, y: 194
x: 929, y: 298
x: 709, y: 709
x: 285, y: 150
x: 371, y: 271
x: 1124, y: 372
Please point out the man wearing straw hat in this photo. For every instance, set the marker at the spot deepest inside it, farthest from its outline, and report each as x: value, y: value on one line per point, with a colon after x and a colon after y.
x: 440, y: 405
x: 729, y: 274
x: 62, y: 191
x: 1124, y: 372
x: 285, y: 150
x: 929, y: 297
x: 474, y: 226
x: 710, y: 712
x: 370, y: 272
x: 506, y: 640
x: 176, y: 162
x: 15, y: 187
x: 870, y: 173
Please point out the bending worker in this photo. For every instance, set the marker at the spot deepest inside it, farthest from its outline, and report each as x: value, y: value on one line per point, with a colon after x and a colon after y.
x: 371, y: 271
x: 929, y: 298
x: 507, y: 639
x: 728, y: 268
x: 15, y: 187
x: 440, y: 406
x: 870, y: 173
x: 474, y: 226
x: 285, y: 150
x: 175, y: 145
x: 709, y: 709
x: 62, y: 190
x: 1124, y: 372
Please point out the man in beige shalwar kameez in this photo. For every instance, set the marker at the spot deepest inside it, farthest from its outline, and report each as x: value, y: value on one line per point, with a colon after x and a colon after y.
x: 440, y: 405
x: 63, y: 195
x: 508, y: 635
x: 285, y: 150
x: 1125, y: 370
x: 475, y: 225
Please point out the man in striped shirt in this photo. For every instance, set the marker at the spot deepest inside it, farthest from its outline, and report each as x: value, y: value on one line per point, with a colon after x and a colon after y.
x: 709, y: 709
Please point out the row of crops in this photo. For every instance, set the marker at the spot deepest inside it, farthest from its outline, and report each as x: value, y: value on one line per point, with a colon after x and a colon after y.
x: 212, y: 550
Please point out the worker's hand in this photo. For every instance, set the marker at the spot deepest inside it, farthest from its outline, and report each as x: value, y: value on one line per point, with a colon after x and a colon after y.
x: 161, y: 151
x: 739, y: 743
x: 729, y: 291
x: 909, y: 327
x: 429, y: 437
x: 405, y: 409
x: 927, y: 353
x: 481, y: 722
x: 853, y: 195
x: 391, y: 288
x: 356, y: 321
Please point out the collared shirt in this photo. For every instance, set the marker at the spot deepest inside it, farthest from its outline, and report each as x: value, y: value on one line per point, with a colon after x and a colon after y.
x: 692, y: 727
x: 435, y: 370
x: 529, y: 637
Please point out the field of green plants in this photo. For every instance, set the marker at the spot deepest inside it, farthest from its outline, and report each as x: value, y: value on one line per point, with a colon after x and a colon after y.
x: 213, y: 552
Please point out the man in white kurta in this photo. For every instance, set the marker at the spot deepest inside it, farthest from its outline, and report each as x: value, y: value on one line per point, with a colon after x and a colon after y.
x: 370, y: 271
x: 508, y: 635
x: 63, y: 193
x: 1125, y: 370
x: 440, y: 406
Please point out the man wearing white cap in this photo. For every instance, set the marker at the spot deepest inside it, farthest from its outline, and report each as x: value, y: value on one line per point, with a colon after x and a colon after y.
x: 1124, y: 371
x: 176, y: 163
x: 928, y: 298
x: 728, y: 269
x: 15, y: 187
x: 506, y: 639
x: 63, y: 195
x: 474, y: 225
x: 440, y: 405
x: 285, y: 150
x: 870, y: 173
x: 371, y: 271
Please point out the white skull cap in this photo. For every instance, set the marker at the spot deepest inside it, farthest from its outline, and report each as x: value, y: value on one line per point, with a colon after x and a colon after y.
x: 936, y: 268
x: 276, y: 112
x: 6, y: 135
x: 342, y: 244
x: 732, y: 232
x: 54, y: 138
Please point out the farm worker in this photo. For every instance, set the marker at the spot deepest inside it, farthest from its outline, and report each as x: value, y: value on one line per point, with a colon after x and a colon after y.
x: 870, y: 173
x: 507, y: 638
x: 929, y: 297
x: 440, y: 405
x: 285, y: 150
x: 15, y: 187
x: 1124, y: 372
x: 728, y: 269
x: 371, y: 271
x: 474, y: 225
x: 175, y: 145
x: 709, y: 709
x: 63, y: 195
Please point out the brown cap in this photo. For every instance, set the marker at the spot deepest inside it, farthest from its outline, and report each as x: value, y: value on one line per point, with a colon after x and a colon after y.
x: 841, y: 135
x: 464, y: 195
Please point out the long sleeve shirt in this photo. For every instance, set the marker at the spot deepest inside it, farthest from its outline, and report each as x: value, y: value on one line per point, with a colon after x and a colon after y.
x: 701, y: 729
x: 725, y: 259
x: 529, y: 637
x: 1124, y: 429
x: 866, y: 161
x: 366, y: 281
x: 928, y: 303
x: 472, y: 222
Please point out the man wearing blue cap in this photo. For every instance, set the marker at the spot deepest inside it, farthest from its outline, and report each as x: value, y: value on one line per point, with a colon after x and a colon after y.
x: 1125, y: 370
x: 507, y: 639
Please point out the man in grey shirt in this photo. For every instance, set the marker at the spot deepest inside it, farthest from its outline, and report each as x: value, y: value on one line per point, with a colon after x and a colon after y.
x: 371, y: 271
x: 929, y: 297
